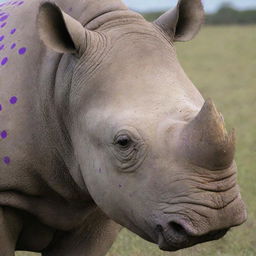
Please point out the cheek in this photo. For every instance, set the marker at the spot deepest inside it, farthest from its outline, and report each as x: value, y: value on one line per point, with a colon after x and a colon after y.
x: 101, y: 180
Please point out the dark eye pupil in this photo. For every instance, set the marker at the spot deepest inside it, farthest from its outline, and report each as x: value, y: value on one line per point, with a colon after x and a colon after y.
x: 123, y: 142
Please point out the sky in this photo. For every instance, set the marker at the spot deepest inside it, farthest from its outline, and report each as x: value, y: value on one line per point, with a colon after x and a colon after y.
x: 210, y: 5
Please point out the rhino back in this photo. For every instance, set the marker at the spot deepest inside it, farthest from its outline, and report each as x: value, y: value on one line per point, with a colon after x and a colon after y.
x: 19, y: 68
x: 30, y: 174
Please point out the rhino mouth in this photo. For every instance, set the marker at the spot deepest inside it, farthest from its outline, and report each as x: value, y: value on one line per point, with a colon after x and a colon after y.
x: 169, y: 242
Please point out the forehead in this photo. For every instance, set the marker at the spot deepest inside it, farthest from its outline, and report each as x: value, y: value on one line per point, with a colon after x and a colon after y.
x: 143, y: 76
x: 140, y: 74
x: 138, y: 65
x: 139, y: 51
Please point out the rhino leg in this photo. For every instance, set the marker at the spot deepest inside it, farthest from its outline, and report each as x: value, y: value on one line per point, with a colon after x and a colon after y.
x: 93, y: 238
x: 10, y: 228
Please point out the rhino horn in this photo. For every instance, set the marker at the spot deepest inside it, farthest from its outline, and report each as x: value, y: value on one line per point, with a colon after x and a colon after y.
x: 206, y: 142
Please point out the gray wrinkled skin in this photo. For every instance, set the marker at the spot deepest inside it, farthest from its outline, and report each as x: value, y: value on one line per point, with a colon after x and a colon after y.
x: 108, y: 129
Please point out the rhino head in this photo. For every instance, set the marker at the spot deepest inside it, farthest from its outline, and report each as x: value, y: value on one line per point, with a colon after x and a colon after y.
x: 153, y: 155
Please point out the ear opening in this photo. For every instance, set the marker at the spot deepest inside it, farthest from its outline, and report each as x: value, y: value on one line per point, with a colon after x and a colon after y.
x: 184, y: 21
x: 59, y: 31
x: 191, y: 18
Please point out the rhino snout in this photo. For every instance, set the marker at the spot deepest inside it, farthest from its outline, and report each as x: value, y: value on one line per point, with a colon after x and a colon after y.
x: 178, y: 235
x: 180, y: 231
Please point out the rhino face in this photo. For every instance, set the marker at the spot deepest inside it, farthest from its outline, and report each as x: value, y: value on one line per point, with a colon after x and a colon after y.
x: 144, y: 180
x: 153, y: 155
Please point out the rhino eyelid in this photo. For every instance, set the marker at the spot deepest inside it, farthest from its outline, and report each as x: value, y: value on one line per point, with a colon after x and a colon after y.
x: 127, y: 133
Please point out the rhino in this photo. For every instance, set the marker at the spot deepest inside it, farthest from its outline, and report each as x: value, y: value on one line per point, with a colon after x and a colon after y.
x: 102, y: 129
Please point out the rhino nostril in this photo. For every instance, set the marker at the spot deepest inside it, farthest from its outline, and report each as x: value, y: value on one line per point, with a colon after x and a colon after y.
x: 177, y: 228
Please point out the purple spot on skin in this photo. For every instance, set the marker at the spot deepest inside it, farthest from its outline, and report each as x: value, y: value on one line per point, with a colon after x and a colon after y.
x: 2, y: 47
x: 22, y: 50
x: 21, y: 2
x: 3, y: 18
x: 4, y: 134
x: 6, y: 159
x: 3, y: 25
x: 119, y: 185
x: 4, y: 61
x: 13, y: 46
x: 13, y: 31
x: 1, y: 107
x: 1, y: 38
x: 14, y: 3
x: 13, y: 100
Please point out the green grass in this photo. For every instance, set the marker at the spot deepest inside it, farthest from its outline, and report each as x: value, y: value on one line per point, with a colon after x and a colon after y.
x: 221, y: 62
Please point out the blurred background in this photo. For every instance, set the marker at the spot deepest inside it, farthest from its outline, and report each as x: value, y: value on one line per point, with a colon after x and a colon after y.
x: 221, y: 62
x: 210, y: 5
x: 218, y: 11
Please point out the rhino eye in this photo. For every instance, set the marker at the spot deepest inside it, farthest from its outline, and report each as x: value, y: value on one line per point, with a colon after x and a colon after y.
x: 128, y: 149
x: 123, y: 141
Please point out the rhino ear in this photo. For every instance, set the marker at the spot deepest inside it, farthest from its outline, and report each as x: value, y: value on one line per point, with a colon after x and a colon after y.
x: 59, y: 31
x: 184, y: 21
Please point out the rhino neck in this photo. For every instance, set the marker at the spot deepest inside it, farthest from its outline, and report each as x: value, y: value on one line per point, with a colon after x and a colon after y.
x: 93, y: 13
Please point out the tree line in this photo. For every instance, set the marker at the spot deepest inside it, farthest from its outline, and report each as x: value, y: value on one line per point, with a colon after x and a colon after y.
x: 225, y: 15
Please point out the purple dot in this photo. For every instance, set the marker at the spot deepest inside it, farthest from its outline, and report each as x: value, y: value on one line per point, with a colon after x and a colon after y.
x: 4, y: 134
x: 6, y: 159
x: 2, y: 47
x: 4, y: 61
x: 1, y: 107
x: 13, y: 31
x: 21, y: 2
x: 13, y: 100
x: 4, y: 18
x: 1, y: 38
x: 3, y: 25
x: 13, y: 46
x: 14, y: 3
x: 22, y: 50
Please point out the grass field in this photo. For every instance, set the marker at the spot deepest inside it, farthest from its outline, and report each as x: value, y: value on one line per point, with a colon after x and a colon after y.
x: 222, y: 64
